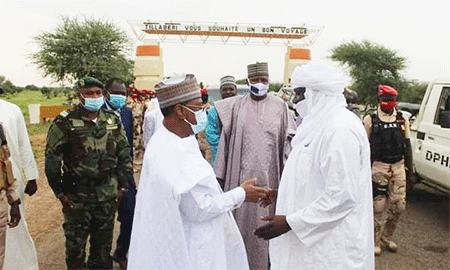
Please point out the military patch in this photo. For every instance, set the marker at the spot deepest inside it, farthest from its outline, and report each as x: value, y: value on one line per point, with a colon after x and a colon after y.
x: 111, y: 127
x: 64, y: 113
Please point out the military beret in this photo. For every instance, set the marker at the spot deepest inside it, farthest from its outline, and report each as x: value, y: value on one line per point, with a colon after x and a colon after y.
x: 87, y: 82
x: 386, y: 90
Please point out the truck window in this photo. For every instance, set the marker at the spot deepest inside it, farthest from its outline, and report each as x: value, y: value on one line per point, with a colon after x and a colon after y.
x: 444, y: 104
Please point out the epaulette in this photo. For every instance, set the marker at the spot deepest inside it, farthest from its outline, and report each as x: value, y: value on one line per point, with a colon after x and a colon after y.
x: 64, y: 114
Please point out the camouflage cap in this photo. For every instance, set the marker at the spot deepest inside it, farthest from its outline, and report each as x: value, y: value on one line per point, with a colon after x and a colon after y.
x: 87, y: 82
x: 258, y: 69
x: 177, y: 89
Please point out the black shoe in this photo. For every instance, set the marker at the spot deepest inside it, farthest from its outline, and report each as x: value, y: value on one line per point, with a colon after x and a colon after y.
x: 122, y: 261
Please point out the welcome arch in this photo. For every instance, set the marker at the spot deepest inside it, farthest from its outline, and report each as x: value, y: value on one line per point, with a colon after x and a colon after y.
x: 149, y: 60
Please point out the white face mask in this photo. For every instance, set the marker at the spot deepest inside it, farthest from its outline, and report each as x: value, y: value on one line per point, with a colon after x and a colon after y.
x: 201, y: 117
x: 300, y: 107
x: 259, y: 89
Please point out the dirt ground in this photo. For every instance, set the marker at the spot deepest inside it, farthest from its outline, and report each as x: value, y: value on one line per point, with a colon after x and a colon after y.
x: 44, y: 216
x: 423, y: 233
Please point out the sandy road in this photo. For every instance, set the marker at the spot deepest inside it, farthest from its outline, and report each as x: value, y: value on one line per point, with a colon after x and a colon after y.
x: 423, y: 234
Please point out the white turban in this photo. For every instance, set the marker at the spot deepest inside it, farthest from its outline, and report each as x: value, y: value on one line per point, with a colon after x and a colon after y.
x: 323, y: 96
x: 319, y: 77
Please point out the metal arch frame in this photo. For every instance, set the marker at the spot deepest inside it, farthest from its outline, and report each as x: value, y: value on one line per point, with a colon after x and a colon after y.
x: 307, y: 39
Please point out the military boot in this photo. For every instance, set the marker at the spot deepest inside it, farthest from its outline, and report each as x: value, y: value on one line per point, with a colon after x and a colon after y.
x: 390, y: 245
x: 389, y: 228
x: 377, y: 248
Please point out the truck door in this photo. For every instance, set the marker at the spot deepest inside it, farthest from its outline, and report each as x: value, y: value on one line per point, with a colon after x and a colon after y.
x: 432, y: 147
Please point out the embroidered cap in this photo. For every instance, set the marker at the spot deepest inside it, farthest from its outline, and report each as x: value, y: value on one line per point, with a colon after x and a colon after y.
x: 177, y: 89
x: 227, y: 80
x: 258, y: 69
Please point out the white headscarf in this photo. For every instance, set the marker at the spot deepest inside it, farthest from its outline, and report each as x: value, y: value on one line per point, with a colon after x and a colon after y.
x: 323, y: 96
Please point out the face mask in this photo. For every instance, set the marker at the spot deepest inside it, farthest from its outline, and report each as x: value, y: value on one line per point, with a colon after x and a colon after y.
x: 117, y: 101
x: 201, y: 117
x: 93, y: 104
x: 259, y: 89
x: 387, y: 106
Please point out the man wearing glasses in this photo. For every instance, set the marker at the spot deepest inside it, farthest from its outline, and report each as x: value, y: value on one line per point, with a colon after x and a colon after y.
x: 182, y: 218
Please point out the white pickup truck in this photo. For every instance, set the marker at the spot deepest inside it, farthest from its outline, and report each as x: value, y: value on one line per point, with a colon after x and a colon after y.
x: 430, y: 137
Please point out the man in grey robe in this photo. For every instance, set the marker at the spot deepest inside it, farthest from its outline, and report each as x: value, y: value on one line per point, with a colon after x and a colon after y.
x: 254, y: 142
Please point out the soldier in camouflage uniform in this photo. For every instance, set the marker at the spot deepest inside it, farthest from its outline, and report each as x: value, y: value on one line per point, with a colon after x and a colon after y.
x: 90, y: 146
x: 8, y: 194
x: 137, y: 101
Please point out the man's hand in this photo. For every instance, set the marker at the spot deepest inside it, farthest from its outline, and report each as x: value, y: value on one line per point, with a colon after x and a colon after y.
x: 120, y: 194
x: 15, y: 214
x: 271, y: 198
x: 276, y: 227
x: 221, y: 183
x: 253, y: 193
x: 67, y: 205
x: 31, y: 187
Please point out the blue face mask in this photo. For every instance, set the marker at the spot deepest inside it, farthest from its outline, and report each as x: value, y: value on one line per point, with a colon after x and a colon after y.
x: 117, y: 101
x: 201, y: 117
x: 93, y: 104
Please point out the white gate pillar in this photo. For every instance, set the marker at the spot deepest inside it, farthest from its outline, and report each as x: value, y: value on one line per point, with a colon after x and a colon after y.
x: 295, y: 56
x: 148, y: 66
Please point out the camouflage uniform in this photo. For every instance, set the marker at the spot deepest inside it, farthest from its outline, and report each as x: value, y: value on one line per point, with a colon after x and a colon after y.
x: 138, y: 108
x: 205, y: 147
x: 95, y: 160
x: 8, y: 193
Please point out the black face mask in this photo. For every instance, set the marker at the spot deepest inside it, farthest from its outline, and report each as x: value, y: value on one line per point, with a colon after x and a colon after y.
x: 299, y: 94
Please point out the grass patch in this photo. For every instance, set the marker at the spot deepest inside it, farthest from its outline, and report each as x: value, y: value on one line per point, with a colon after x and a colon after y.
x: 38, y: 128
x: 27, y: 97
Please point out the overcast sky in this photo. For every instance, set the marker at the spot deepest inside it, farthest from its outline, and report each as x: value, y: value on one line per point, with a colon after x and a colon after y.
x: 417, y: 30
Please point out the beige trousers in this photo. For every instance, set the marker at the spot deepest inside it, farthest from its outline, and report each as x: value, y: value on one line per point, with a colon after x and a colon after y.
x: 387, y: 209
x: 3, y: 224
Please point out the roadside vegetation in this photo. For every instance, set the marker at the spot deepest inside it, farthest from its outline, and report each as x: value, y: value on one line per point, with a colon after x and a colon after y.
x: 27, y: 97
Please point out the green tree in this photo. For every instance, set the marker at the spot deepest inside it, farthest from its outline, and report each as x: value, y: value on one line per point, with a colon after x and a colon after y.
x: 370, y: 65
x: 46, y: 91
x: 414, y: 92
x: 242, y: 81
x: 8, y: 87
x: 76, y: 49
x: 275, y: 86
x: 32, y: 87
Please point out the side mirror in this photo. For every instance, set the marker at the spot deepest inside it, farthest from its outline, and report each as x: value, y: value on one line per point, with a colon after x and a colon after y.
x: 444, y: 119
